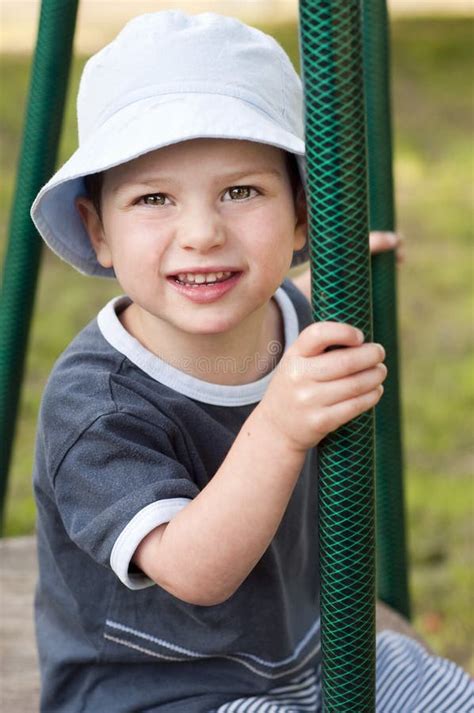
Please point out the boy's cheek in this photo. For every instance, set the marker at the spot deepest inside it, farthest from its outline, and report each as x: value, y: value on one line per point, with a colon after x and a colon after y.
x: 134, y: 270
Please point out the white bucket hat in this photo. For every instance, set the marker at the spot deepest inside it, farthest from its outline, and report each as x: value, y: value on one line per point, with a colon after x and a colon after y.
x: 169, y: 77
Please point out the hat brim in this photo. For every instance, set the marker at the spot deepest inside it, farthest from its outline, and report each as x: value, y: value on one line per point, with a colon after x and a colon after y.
x: 132, y: 132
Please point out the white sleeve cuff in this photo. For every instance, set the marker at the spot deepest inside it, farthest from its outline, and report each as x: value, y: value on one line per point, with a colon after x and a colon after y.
x: 133, y: 533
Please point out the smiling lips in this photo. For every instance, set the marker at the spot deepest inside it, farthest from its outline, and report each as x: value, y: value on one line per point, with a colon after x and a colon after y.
x: 202, y: 287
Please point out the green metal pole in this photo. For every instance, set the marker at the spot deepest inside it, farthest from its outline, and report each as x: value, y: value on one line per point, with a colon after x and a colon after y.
x: 392, y: 580
x: 331, y: 51
x: 41, y: 135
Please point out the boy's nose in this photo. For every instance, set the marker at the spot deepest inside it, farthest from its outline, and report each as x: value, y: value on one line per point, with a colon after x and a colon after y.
x: 201, y: 230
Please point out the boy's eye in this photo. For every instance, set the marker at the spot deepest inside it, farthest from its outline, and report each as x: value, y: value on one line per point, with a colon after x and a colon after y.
x: 153, y: 199
x: 240, y: 192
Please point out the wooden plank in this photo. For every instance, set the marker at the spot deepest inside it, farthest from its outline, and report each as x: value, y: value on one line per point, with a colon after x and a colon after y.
x: 19, y: 678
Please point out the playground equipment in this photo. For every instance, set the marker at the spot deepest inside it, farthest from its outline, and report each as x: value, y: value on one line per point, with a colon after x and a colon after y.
x: 337, y: 44
x: 334, y: 48
x: 340, y: 281
x: 392, y: 565
x: 41, y: 134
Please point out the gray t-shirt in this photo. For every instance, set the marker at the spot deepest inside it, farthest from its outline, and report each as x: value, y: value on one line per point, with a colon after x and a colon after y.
x: 124, y: 442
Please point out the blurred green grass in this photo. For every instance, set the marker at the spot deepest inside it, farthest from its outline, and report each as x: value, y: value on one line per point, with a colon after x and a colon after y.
x: 433, y: 116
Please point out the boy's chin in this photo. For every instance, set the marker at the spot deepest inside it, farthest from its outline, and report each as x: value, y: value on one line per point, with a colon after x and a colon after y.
x: 209, y: 327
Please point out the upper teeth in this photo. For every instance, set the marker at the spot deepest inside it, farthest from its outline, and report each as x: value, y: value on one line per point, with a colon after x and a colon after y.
x: 199, y: 277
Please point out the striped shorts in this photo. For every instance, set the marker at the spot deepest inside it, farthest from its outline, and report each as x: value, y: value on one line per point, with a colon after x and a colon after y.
x: 408, y: 680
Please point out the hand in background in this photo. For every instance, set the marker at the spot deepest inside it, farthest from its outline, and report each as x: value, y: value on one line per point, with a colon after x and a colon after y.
x: 381, y: 241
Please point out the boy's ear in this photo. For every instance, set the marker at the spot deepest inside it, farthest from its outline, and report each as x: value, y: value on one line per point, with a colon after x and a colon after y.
x: 301, y: 222
x: 95, y: 230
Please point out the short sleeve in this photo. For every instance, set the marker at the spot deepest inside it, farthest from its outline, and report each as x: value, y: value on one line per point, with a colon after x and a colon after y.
x: 120, y: 480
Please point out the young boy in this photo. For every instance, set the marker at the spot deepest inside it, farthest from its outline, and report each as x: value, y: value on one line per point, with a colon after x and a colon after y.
x: 175, y: 469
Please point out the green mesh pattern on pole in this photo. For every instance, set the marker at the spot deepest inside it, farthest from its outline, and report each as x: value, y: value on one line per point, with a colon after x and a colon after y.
x: 392, y: 580
x: 331, y: 54
x: 37, y: 160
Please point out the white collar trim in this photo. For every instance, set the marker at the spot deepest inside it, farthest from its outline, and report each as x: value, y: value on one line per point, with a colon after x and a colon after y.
x: 204, y: 391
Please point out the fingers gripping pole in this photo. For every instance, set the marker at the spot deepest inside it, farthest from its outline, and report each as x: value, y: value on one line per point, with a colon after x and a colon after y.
x: 37, y: 160
x: 392, y: 581
x: 331, y: 50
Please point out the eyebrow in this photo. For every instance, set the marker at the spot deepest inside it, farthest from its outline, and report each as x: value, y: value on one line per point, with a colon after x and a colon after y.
x: 151, y: 181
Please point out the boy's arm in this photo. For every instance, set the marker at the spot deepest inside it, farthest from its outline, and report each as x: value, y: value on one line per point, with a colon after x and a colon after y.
x: 208, y: 549
x: 379, y: 241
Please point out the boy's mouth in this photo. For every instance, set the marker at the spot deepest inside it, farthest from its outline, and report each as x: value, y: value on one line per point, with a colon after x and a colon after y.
x: 201, y: 291
x: 198, y: 279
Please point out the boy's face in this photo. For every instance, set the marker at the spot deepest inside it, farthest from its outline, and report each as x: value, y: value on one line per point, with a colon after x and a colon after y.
x: 200, y: 204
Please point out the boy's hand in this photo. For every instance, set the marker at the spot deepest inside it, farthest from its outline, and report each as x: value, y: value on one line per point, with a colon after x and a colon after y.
x: 314, y: 391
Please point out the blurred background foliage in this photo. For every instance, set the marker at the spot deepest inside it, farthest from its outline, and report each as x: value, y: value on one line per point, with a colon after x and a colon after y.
x: 433, y: 117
